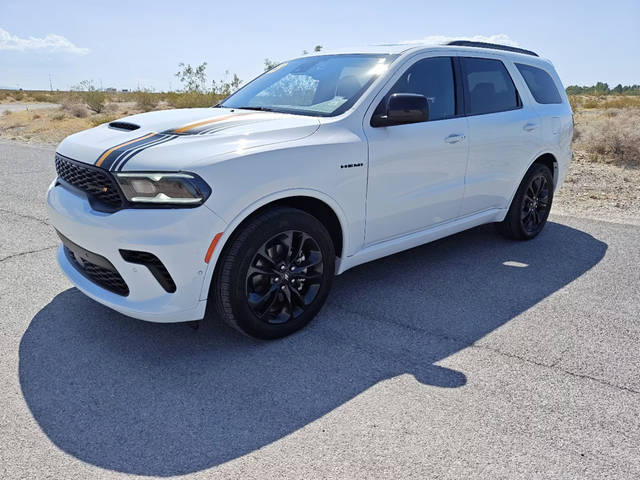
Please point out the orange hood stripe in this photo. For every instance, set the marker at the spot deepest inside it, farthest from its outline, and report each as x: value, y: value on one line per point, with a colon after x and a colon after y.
x: 111, y: 150
x: 191, y: 126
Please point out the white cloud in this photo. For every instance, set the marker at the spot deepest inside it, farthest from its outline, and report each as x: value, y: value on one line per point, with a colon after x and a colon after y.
x: 49, y: 43
x: 500, y: 38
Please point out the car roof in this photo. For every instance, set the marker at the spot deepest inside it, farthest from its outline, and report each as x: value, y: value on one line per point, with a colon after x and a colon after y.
x: 407, y: 48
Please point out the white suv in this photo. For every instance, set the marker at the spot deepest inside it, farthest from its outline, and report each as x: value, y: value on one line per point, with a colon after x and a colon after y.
x: 325, y: 162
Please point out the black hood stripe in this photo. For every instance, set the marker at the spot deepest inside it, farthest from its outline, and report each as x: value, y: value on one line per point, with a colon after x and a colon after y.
x: 107, y: 159
x: 116, y: 157
x: 132, y: 154
x: 124, y: 153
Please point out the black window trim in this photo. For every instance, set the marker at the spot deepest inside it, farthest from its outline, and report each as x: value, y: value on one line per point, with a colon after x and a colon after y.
x: 466, y: 93
x: 458, y: 95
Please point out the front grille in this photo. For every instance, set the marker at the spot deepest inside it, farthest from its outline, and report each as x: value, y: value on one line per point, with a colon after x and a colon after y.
x: 96, y: 182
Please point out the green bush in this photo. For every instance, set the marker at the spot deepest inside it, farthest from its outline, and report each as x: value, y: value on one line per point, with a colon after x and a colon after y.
x: 192, y: 99
x: 95, y: 100
x: 146, y: 100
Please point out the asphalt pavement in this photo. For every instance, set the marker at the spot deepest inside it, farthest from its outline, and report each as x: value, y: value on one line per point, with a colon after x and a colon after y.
x: 471, y: 357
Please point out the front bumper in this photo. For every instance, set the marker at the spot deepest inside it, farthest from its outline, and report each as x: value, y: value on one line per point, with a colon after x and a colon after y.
x: 178, y: 237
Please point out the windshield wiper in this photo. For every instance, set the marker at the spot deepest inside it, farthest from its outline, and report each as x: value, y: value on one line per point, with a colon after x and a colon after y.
x: 259, y: 109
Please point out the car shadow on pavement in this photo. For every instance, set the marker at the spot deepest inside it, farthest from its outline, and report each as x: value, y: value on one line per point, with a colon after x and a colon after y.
x: 163, y: 400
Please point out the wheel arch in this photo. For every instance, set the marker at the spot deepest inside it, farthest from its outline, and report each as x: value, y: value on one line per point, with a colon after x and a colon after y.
x: 314, y: 202
x: 544, y: 157
x: 549, y: 160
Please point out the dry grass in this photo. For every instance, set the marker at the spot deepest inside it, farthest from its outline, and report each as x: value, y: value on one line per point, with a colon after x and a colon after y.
x: 609, y: 134
x: 45, y: 126
x: 82, y: 110
x: 145, y: 99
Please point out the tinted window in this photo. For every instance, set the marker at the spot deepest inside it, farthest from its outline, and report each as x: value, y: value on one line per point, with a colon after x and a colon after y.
x: 433, y: 78
x: 540, y: 83
x: 488, y: 85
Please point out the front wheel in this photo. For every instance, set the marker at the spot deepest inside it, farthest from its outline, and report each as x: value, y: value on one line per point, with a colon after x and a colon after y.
x: 275, y: 274
x: 531, y: 205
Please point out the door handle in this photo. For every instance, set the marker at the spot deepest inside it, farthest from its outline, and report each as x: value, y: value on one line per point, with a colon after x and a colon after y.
x: 530, y: 127
x: 454, y: 138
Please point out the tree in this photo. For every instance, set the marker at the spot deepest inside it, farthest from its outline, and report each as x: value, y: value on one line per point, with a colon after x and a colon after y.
x: 618, y: 89
x: 193, y: 79
x: 94, y: 99
x: 601, y: 88
x: 317, y: 48
x: 269, y: 64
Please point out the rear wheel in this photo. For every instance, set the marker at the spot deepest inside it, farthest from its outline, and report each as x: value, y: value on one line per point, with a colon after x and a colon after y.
x: 531, y: 205
x: 275, y: 275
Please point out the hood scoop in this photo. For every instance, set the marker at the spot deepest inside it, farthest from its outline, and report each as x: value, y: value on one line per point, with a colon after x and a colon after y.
x: 124, y: 126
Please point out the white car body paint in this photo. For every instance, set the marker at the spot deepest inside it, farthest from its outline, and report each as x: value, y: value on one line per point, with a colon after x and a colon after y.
x: 410, y: 186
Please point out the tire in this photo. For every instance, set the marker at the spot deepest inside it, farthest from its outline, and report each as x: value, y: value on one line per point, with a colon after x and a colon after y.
x: 531, y: 205
x: 274, y: 274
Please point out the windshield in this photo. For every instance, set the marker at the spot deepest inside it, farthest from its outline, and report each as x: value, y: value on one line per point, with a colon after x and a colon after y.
x: 326, y: 85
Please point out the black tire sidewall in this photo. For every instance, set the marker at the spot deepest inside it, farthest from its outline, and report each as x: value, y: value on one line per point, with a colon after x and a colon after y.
x: 260, y: 230
x: 513, y: 217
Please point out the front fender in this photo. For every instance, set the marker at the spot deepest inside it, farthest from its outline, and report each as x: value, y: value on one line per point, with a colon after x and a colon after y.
x: 261, y: 202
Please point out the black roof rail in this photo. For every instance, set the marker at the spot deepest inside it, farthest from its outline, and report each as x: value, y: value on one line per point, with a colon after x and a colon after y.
x: 494, y: 46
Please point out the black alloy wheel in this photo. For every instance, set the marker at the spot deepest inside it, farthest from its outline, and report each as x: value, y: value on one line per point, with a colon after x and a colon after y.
x: 274, y: 273
x: 535, y: 204
x: 531, y: 205
x: 284, y: 277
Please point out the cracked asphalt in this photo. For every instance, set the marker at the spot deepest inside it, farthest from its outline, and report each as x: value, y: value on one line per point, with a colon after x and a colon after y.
x: 471, y: 357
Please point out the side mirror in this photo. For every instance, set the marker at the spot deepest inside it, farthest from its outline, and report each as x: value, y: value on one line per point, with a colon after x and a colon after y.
x: 403, y: 108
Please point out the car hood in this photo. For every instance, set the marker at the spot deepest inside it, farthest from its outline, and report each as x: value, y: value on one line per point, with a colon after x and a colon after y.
x: 176, y: 139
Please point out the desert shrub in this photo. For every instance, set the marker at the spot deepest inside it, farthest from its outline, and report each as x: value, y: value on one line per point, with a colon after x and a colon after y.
x: 192, y: 99
x: 70, y: 100
x: 41, y: 97
x: 100, y: 119
x: 575, y: 102
x: 78, y: 110
x: 95, y: 100
x: 35, y: 116
x: 145, y: 99
x: 590, y: 103
x: 59, y: 116
x: 6, y: 112
x: 612, y: 139
x: 16, y: 94
x: 622, y: 102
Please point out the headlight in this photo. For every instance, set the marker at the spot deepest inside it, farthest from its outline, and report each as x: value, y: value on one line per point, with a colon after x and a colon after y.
x: 163, y: 188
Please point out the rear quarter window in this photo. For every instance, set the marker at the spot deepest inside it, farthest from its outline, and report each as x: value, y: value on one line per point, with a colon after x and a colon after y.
x: 540, y: 83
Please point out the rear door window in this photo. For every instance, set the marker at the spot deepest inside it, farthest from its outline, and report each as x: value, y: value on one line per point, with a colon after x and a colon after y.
x: 540, y: 84
x: 488, y: 86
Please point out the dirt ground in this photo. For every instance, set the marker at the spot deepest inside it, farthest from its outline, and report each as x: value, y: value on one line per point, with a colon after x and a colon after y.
x: 600, y: 190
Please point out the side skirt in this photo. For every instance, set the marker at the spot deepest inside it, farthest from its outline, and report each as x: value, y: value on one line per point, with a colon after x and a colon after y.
x: 405, y: 242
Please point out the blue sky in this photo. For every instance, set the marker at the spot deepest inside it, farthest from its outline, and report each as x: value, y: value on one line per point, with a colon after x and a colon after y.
x: 138, y: 42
